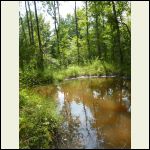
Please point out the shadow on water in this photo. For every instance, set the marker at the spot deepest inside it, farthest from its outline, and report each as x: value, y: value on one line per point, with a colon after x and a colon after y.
x: 97, y: 112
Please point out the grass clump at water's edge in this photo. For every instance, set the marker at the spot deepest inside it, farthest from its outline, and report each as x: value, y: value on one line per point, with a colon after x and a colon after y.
x: 96, y: 68
x: 38, y: 121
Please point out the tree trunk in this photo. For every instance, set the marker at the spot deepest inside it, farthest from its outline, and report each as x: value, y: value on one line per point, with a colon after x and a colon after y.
x: 118, y: 32
x: 97, y: 31
x: 32, y: 31
x: 76, y: 22
x: 58, y: 35
x: 58, y: 12
x: 56, y: 29
x: 87, y: 31
x: 104, y: 48
x: 28, y: 23
x: 23, y: 30
x: 21, y: 64
x: 40, y: 54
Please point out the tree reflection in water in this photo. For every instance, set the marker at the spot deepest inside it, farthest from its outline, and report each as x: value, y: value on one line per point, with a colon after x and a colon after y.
x: 96, y: 113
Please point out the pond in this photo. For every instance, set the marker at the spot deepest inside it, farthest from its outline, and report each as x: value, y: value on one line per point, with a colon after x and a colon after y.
x: 97, y: 112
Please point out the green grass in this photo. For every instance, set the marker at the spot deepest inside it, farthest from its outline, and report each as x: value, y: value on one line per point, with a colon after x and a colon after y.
x: 90, y: 69
x: 38, y: 121
x: 96, y: 67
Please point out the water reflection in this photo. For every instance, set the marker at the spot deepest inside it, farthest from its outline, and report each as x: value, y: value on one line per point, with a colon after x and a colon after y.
x: 97, y: 112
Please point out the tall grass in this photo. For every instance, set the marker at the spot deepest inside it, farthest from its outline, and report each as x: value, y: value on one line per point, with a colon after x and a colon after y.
x: 96, y: 67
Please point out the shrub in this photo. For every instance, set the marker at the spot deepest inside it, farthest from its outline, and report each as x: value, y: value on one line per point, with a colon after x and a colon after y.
x: 38, y: 121
x: 32, y: 77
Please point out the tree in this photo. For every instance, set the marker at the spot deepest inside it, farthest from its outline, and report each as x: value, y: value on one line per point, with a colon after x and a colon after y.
x: 22, y: 26
x: 32, y: 31
x: 28, y: 23
x: 40, y: 54
x: 77, y: 33
x: 118, y: 43
x: 56, y: 25
x: 87, y: 30
x: 97, y: 29
x: 53, y: 11
x: 22, y: 40
x: 58, y: 12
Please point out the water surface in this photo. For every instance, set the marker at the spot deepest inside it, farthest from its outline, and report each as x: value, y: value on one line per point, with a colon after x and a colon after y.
x: 97, y: 112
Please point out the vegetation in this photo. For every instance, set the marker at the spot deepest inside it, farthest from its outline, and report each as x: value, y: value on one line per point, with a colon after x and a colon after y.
x: 96, y: 31
x: 94, y: 40
x: 39, y: 121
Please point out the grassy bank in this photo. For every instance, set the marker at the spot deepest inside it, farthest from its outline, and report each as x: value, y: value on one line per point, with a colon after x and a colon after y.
x: 93, y: 68
x: 38, y: 121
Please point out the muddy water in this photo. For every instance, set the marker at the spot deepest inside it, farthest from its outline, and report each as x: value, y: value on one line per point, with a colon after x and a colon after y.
x: 97, y: 112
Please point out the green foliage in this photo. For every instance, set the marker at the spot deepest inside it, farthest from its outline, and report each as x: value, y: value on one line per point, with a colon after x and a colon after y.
x: 59, y: 75
x: 95, y: 67
x: 33, y: 77
x: 73, y: 71
x: 38, y: 121
x: 38, y: 118
x: 68, y: 55
x: 98, y: 67
x: 126, y: 70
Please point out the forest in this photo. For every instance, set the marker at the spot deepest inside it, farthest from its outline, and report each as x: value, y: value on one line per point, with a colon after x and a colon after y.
x: 93, y: 40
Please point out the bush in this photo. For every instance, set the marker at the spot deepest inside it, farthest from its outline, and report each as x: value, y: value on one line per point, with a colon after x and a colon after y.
x: 32, y: 77
x: 38, y: 121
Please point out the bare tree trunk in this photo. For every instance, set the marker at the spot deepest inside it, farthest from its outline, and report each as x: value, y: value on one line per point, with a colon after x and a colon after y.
x: 56, y: 29
x: 28, y: 23
x: 104, y: 49
x: 58, y: 12
x: 40, y: 55
x: 77, y: 34
x: 118, y: 32
x: 22, y: 26
x: 23, y: 30
x: 113, y: 50
x: 97, y: 31
x: 32, y: 31
x: 87, y: 31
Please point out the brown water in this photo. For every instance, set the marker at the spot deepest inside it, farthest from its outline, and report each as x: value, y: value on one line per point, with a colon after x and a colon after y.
x: 97, y: 112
